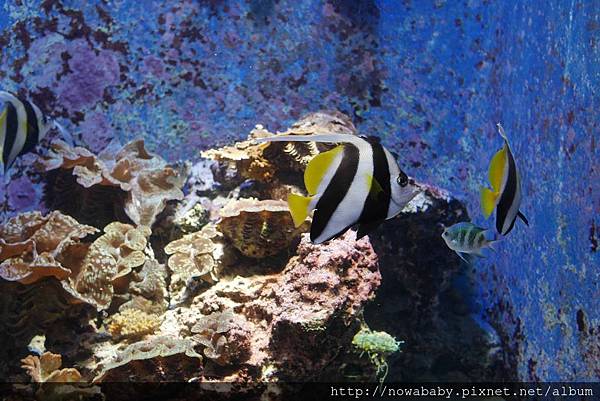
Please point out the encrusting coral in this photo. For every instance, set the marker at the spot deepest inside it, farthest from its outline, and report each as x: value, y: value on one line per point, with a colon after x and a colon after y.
x: 225, y: 336
x: 259, y: 228
x: 161, y: 358
x: 142, y: 180
x: 132, y: 324
x: 31, y: 244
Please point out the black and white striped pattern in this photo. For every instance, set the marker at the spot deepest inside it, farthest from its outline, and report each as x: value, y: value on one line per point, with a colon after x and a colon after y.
x: 508, y: 205
x: 22, y: 126
x: 360, y: 187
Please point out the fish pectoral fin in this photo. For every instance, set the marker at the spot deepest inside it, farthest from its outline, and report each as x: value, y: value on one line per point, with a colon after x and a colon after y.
x: 522, y: 217
x: 299, y: 208
x: 463, y: 256
x: 497, y: 168
x: 488, y: 201
x: 318, y: 167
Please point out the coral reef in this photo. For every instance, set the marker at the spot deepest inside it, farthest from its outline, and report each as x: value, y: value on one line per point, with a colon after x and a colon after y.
x: 219, y: 286
x: 143, y: 182
x: 259, y: 228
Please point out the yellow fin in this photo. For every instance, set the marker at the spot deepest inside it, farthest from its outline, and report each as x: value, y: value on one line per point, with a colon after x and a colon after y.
x: 373, y: 185
x: 488, y: 201
x: 298, y: 205
x: 317, y: 167
x: 497, y: 168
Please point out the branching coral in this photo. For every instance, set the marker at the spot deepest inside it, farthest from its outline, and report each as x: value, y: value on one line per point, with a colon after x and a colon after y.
x: 225, y: 336
x: 132, y: 324
x: 46, y: 369
x: 30, y: 245
x: 378, y: 345
x: 146, y: 180
x: 259, y: 228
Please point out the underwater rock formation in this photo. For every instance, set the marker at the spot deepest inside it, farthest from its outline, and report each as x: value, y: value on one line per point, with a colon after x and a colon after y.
x: 259, y: 228
x: 129, y: 177
x: 424, y: 298
x: 283, y: 325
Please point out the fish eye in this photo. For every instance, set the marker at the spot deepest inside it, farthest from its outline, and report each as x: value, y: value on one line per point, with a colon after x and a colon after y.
x: 402, y: 179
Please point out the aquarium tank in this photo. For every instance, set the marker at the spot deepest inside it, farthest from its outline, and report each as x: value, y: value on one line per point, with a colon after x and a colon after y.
x: 309, y: 199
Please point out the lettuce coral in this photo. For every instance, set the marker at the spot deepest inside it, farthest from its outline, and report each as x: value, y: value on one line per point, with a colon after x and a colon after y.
x: 31, y: 245
x: 145, y: 179
x: 46, y: 369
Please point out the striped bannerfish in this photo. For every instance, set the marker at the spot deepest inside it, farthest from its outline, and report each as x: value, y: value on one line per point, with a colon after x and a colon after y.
x: 22, y: 126
x: 357, y: 182
x: 466, y: 239
x: 505, y: 195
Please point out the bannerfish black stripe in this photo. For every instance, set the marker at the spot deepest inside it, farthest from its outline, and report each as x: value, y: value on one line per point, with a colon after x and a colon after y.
x: 508, y: 196
x: 33, y: 131
x: 335, y: 192
x: 12, y: 126
x: 378, y: 201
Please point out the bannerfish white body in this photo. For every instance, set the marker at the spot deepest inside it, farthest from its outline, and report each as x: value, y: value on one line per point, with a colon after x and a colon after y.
x: 22, y: 126
x: 505, y: 195
x: 357, y: 182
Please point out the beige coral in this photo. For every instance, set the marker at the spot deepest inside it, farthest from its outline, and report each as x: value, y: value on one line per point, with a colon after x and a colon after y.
x: 160, y: 358
x: 133, y: 324
x: 110, y: 258
x: 146, y: 179
x: 31, y: 244
x: 259, y: 228
x: 46, y: 369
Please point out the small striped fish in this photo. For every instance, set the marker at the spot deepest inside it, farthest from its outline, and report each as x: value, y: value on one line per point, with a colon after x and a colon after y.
x: 505, y: 195
x: 22, y: 126
x: 466, y: 238
x: 357, y: 182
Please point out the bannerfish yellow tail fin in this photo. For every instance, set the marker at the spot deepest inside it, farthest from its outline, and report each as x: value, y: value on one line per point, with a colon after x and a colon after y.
x: 488, y: 201
x: 299, y: 205
x: 318, y: 167
x: 497, y: 169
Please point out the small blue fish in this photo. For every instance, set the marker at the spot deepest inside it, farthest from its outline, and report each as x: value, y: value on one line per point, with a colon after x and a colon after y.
x: 467, y: 239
